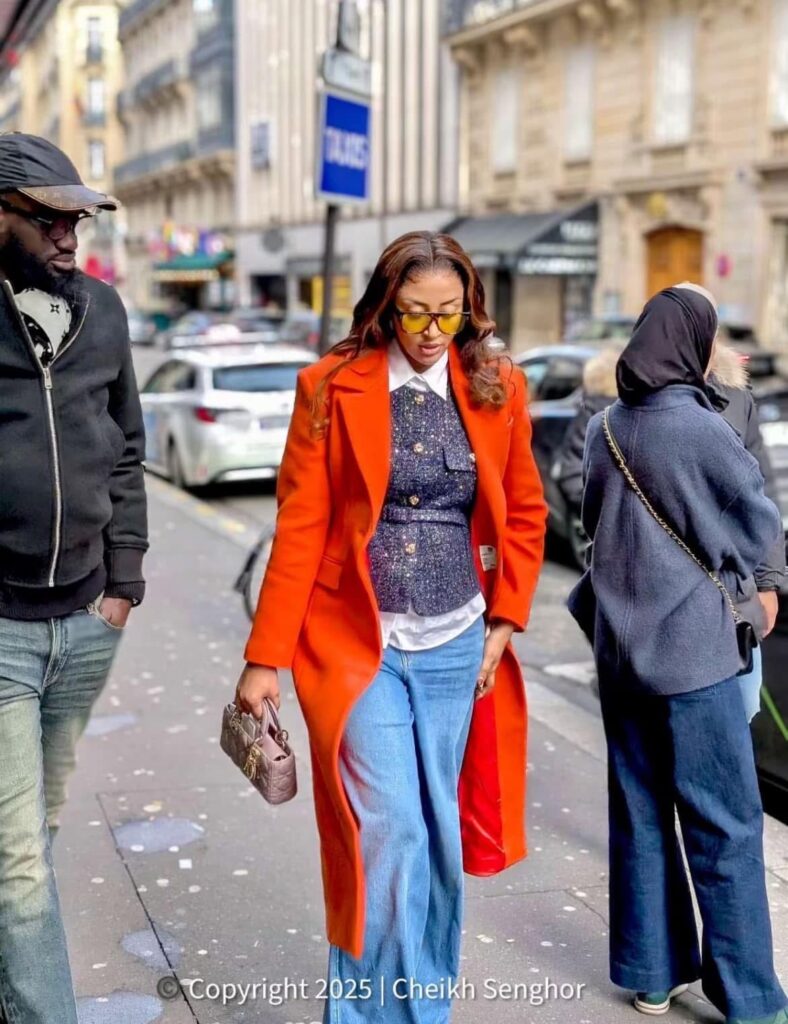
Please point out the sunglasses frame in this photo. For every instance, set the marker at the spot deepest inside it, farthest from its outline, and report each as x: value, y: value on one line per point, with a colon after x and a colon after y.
x: 434, y: 317
x: 47, y: 224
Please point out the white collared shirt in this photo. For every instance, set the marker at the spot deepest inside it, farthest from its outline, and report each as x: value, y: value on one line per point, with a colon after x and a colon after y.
x: 434, y: 378
x: 408, y: 631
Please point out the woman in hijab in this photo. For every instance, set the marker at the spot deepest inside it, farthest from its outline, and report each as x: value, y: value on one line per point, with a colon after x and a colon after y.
x: 669, y: 545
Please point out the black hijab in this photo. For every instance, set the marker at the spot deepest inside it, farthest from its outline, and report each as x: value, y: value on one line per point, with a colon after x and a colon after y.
x: 671, y: 344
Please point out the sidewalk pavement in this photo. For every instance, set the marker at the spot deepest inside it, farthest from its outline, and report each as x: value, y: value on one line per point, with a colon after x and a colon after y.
x: 170, y: 865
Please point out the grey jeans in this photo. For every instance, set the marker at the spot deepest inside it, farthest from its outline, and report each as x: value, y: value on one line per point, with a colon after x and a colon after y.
x: 51, y: 672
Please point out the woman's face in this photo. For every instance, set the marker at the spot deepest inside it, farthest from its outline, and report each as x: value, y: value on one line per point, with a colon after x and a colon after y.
x: 438, y: 291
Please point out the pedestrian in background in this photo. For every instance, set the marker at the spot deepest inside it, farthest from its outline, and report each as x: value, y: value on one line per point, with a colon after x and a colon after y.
x: 727, y: 386
x: 72, y: 536
x: 409, y: 540
x: 667, y: 655
x: 599, y: 390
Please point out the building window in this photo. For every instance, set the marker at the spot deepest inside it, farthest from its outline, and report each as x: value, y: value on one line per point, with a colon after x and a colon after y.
x: 96, y: 159
x: 96, y: 96
x: 95, y: 39
x: 206, y: 15
x: 261, y: 145
x: 673, y: 86
x: 209, y: 98
x: 504, y: 120
x: 579, y: 103
x: 779, y: 89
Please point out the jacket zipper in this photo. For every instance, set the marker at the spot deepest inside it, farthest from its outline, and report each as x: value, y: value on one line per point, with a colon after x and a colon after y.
x: 58, y: 483
x: 48, y: 387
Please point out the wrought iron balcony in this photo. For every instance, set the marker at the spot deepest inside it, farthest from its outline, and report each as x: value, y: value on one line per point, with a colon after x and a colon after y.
x: 465, y: 13
x: 149, y: 163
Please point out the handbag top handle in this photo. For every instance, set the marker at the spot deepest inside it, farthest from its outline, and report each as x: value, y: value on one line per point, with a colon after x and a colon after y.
x: 618, y: 455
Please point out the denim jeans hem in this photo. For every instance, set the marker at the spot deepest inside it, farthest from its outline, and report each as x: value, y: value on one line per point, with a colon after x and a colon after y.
x: 757, y: 1008
x: 637, y: 980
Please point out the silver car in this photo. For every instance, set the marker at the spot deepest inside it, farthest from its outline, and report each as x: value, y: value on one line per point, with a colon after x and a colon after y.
x: 221, y: 415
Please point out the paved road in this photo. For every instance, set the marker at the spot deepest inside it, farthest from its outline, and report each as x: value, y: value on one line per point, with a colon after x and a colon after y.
x: 170, y: 865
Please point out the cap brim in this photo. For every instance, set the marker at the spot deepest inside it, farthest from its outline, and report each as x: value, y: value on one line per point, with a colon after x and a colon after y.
x: 70, y: 198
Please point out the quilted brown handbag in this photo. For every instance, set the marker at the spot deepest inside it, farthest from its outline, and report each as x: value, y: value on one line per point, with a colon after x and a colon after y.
x: 261, y: 751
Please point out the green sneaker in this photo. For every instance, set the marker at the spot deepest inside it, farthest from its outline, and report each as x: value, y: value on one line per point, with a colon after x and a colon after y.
x: 781, y: 1017
x: 657, y: 1003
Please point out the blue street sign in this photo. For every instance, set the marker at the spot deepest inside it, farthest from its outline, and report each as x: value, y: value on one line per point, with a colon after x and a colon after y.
x: 343, y: 149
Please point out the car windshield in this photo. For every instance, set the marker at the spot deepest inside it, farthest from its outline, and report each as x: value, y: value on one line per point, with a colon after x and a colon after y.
x: 256, y: 319
x: 599, y: 330
x: 263, y: 377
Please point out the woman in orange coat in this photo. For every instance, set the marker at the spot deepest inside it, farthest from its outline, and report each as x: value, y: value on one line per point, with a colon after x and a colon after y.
x: 409, y: 540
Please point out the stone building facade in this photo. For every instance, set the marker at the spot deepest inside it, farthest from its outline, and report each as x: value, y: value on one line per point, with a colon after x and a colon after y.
x: 669, y: 117
x: 177, y: 178
x: 59, y: 76
x: 413, y: 144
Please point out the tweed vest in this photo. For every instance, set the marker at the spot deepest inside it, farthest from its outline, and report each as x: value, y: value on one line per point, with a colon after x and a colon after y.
x: 420, y: 556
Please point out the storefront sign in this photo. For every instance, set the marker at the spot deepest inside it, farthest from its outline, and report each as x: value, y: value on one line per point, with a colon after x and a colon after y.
x: 343, y: 149
x: 556, y: 266
x: 568, y: 248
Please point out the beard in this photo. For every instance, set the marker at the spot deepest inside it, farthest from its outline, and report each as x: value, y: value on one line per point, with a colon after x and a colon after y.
x: 24, y: 270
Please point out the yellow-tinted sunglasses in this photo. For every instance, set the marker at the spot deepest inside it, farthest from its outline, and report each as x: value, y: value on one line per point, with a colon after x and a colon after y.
x: 418, y: 323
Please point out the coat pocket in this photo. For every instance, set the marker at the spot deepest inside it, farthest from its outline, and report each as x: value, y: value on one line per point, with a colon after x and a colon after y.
x: 329, y: 572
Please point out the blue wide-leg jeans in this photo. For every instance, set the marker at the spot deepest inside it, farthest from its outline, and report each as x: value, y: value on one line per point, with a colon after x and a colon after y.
x: 692, y: 754
x: 400, y: 761
x: 51, y: 672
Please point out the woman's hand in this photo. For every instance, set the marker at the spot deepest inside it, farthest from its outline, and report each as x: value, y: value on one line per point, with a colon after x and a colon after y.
x: 499, y: 633
x: 256, y: 683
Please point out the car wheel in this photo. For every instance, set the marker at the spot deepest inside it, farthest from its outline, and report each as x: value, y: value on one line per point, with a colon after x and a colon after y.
x: 175, y: 468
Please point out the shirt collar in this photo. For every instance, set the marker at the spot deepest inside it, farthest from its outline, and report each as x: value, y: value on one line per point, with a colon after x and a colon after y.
x: 435, y: 378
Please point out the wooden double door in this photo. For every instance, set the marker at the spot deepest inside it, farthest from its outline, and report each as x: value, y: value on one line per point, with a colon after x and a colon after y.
x: 673, y: 255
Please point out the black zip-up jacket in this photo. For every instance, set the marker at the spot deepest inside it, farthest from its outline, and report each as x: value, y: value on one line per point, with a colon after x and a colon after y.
x: 72, y: 445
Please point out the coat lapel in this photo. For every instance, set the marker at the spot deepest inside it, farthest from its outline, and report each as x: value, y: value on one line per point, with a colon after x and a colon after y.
x: 483, y: 427
x: 362, y: 396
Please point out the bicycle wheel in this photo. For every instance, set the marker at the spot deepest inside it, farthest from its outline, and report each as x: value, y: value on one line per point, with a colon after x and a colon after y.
x: 251, y: 579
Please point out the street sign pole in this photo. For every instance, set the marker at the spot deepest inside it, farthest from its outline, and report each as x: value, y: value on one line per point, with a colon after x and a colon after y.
x: 343, y: 142
x: 332, y: 216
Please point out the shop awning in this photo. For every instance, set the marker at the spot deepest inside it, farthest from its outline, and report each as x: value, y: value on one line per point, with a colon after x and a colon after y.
x: 192, y: 269
x: 560, y: 243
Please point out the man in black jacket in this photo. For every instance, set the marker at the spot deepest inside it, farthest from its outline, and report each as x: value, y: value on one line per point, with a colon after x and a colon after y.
x: 73, y: 531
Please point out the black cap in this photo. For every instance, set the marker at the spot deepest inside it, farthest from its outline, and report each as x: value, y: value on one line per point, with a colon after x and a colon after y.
x: 38, y: 169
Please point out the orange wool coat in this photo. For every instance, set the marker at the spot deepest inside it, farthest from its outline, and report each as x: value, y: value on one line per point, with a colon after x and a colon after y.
x: 318, y: 614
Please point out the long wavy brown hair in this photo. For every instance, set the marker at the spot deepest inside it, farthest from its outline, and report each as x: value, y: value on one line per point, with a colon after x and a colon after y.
x: 406, y: 259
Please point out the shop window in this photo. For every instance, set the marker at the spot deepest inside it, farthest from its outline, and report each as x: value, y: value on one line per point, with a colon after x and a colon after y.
x: 779, y: 84
x: 504, y: 120
x: 579, y: 103
x: 673, y: 83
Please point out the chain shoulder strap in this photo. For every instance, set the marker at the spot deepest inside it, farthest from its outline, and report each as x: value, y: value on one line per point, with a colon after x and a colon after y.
x: 618, y: 455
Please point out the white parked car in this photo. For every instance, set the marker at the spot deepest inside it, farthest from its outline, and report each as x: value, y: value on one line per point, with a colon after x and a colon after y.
x: 220, y: 415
